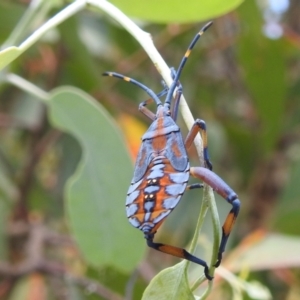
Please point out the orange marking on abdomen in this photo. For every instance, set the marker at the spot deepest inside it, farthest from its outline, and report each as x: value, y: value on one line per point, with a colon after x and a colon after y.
x: 158, y: 196
x: 156, y: 214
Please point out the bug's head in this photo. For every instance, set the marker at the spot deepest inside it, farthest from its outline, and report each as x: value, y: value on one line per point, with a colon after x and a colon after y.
x: 163, y: 111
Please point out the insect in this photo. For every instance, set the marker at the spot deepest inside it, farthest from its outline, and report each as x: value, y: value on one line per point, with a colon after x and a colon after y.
x: 162, y: 168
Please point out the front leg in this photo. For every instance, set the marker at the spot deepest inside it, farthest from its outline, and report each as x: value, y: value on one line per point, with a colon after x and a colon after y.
x: 145, y: 110
x: 228, y: 194
x: 199, y: 126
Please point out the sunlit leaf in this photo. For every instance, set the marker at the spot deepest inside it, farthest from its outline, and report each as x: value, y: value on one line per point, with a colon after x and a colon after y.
x: 176, y: 11
x: 8, y: 55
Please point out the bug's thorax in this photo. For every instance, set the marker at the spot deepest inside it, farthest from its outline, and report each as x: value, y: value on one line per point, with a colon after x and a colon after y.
x: 161, y: 126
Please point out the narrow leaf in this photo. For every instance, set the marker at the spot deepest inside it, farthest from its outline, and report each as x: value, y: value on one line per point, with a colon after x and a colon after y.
x: 8, y: 55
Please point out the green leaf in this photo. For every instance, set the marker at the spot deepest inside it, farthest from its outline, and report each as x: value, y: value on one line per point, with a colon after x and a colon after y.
x: 117, y: 281
x: 8, y: 55
x: 95, y: 195
x: 176, y: 10
x: 171, y: 283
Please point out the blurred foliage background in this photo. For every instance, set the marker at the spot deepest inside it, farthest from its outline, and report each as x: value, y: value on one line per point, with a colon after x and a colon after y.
x: 243, y: 79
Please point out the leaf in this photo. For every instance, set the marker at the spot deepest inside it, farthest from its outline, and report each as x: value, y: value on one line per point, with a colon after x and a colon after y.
x: 8, y: 55
x: 263, y: 251
x: 171, y: 283
x: 176, y: 10
x: 117, y: 281
x: 95, y: 195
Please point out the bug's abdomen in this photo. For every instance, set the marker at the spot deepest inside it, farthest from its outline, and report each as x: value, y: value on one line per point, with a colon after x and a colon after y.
x: 152, y: 198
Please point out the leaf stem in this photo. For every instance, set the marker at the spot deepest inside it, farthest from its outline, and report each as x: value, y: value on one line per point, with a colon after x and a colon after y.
x: 26, y: 86
x: 216, y: 228
x: 209, y: 203
x: 63, y: 15
x: 202, y: 214
x: 23, y: 23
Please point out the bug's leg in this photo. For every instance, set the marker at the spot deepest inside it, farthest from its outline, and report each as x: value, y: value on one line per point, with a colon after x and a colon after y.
x: 177, y: 97
x: 177, y: 252
x: 163, y: 92
x: 228, y: 194
x: 194, y: 186
x: 176, y: 102
x: 199, y: 126
x: 148, y: 113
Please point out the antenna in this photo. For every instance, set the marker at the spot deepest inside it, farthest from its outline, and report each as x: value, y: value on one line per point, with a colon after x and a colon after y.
x: 183, y: 61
